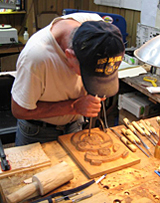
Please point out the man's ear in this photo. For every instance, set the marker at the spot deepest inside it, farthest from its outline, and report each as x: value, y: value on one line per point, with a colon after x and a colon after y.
x: 69, y: 53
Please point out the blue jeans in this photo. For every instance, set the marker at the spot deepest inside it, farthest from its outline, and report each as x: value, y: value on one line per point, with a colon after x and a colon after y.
x: 28, y: 133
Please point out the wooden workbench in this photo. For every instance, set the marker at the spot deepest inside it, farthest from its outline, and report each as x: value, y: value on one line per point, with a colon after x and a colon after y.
x: 139, y: 84
x: 129, y: 185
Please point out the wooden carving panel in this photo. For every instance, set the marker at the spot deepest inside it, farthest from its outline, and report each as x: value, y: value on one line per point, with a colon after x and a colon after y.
x: 25, y: 158
x: 98, y: 153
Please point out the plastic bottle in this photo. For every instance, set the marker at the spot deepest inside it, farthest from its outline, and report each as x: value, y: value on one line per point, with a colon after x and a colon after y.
x: 26, y: 34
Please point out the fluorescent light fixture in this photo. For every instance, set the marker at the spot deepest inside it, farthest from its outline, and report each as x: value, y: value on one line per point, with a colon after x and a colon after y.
x: 7, y: 6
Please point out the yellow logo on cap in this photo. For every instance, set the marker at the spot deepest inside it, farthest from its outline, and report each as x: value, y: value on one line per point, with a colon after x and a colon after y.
x: 111, y: 65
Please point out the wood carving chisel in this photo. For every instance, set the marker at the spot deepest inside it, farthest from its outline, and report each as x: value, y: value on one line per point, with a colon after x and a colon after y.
x: 104, y: 114
x: 128, y: 131
x: 55, y: 200
x: 140, y: 130
x: 90, y: 126
x: 148, y: 134
x: 152, y: 130
x: 131, y: 127
x: 123, y: 139
x: 131, y: 138
x: 4, y: 163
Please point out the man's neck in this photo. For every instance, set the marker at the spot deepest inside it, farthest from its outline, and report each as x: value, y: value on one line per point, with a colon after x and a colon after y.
x: 62, y: 30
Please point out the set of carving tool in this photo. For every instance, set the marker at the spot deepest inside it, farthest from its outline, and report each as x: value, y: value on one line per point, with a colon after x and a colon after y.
x: 103, y: 124
x: 132, y: 139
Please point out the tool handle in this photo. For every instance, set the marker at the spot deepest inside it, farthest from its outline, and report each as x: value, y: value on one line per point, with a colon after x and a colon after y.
x: 158, y: 120
x: 151, y: 127
x: 131, y: 146
x: 159, y: 139
x: 47, y: 201
x: 2, y: 154
x: 123, y: 130
x: 144, y: 129
x: 129, y: 132
x: 145, y: 125
x: 128, y: 124
x: 153, y: 130
x: 23, y: 193
x: 138, y: 128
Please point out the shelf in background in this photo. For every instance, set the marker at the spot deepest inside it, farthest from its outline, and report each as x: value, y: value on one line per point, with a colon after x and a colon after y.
x: 13, y: 12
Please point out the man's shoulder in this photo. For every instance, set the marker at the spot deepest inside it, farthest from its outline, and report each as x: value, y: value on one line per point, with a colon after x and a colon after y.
x: 81, y: 17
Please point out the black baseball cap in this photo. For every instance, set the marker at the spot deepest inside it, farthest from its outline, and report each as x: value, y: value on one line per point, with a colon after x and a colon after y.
x: 99, y: 48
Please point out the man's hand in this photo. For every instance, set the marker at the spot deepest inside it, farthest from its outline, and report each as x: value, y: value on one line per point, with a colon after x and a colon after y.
x: 88, y: 106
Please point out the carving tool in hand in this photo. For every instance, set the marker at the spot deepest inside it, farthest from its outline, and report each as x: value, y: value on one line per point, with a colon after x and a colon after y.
x: 131, y: 138
x: 150, y: 128
x: 90, y: 124
x: 140, y: 130
x: 4, y: 163
x: 123, y: 139
x: 104, y: 114
x: 131, y: 127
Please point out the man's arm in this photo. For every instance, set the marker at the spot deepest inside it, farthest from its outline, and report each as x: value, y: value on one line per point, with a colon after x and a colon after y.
x: 87, y: 106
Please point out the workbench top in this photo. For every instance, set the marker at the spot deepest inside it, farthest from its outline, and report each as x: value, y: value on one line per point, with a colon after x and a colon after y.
x: 139, y: 84
x: 135, y: 184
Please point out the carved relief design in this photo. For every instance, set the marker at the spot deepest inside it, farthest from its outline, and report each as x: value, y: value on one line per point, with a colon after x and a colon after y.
x: 98, y: 146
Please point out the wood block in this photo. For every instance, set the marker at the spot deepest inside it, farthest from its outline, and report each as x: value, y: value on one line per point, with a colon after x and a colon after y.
x: 108, y: 166
x: 25, y: 158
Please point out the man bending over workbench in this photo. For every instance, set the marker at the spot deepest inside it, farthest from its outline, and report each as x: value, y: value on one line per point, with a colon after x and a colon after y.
x: 63, y: 73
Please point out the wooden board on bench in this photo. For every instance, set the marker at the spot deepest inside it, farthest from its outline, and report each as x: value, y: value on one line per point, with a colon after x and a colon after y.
x: 25, y: 158
x: 95, y: 170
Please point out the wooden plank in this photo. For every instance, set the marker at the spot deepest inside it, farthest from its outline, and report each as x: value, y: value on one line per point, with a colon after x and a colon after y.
x: 59, y: 7
x: 25, y: 158
x: 65, y: 4
x: 134, y: 25
x: 71, y: 4
x: 106, y: 167
x: 51, y: 5
x: 85, y: 5
x: 129, y: 16
x: 92, y: 6
x: 102, y: 9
